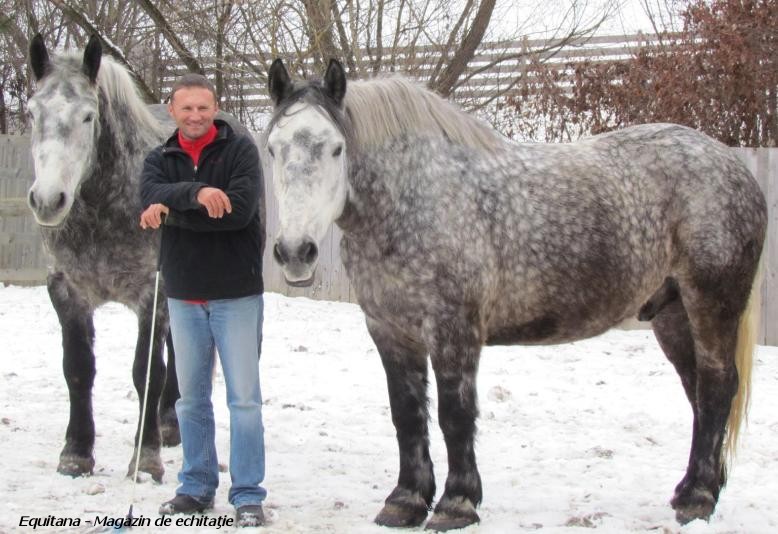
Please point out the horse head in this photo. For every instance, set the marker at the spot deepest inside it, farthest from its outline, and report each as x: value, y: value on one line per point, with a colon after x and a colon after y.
x: 64, y: 115
x: 307, y: 144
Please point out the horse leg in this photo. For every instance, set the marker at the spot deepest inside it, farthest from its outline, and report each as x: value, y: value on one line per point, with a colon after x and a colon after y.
x: 405, y: 365
x: 700, y: 341
x: 673, y: 332
x: 78, y: 365
x: 455, y: 349
x: 150, y: 442
x: 171, y: 436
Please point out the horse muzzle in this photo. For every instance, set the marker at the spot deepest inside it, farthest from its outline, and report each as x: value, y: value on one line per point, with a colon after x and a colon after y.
x: 49, y: 210
x: 298, y: 261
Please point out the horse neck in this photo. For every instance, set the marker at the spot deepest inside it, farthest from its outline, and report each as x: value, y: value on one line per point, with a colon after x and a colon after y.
x: 369, y: 198
x: 121, y: 149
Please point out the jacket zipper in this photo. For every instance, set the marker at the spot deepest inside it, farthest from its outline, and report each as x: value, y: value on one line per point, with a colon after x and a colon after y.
x: 194, y: 176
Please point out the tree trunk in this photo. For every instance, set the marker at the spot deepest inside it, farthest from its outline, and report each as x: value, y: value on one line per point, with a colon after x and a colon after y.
x: 222, y: 16
x: 3, y: 113
x: 183, y: 52
x: 345, y: 45
x: 319, y: 27
x: 445, y: 83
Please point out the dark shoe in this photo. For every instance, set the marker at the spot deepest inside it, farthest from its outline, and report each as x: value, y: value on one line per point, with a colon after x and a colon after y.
x: 249, y: 515
x: 184, y: 504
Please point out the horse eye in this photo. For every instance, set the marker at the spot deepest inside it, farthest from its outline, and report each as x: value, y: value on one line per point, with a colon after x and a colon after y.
x: 337, y: 151
x: 270, y: 151
x: 89, y: 117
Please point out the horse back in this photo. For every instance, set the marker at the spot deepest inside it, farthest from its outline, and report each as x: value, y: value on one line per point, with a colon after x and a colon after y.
x: 620, y: 214
x: 548, y: 243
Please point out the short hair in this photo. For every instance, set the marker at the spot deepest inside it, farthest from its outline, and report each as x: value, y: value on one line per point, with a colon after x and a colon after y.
x: 192, y: 79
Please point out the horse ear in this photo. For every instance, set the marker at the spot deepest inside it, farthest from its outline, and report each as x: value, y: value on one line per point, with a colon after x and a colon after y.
x: 39, y: 57
x: 92, y: 55
x: 335, y: 81
x: 279, y: 84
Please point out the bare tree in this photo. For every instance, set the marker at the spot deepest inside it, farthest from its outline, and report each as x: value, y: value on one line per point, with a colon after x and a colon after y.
x: 719, y: 75
x: 164, y: 26
x: 444, y: 83
x: 438, y: 42
x: 90, y: 27
x: 18, y: 20
x: 320, y: 31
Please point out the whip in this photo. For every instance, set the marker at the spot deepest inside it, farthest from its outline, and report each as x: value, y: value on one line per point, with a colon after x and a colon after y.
x: 148, y: 376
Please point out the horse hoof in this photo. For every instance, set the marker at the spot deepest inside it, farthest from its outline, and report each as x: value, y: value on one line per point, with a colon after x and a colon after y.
x: 687, y: 514
x: 395, y: 515
x: 451, y: 513
x: 441, y: 522
x: 171, y: 436
x: 75, y: 466
x: 150, y: 462
x: 698, y: 504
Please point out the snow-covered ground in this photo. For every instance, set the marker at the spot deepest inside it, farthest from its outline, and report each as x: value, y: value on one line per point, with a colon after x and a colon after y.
x: 589, y: 435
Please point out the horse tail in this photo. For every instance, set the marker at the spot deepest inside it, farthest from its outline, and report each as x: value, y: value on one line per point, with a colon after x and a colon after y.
x: 748, y: 329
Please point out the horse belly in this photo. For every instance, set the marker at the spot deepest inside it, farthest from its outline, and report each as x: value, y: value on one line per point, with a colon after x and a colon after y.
x: 546, y: 330
x: 571, y: 314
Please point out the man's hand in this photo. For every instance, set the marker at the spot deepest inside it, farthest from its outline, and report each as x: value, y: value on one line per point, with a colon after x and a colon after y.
x: 215, y: 201
x: 152, y: 217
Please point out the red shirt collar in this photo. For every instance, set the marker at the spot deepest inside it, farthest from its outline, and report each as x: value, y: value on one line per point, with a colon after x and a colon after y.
x: 194, y: 147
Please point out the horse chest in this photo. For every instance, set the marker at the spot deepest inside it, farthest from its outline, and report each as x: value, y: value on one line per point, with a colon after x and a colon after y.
x: 102, y: 266
x: 386, y: 284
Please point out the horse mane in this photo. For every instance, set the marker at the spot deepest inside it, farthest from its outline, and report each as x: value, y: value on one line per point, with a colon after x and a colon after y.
x: 385, y: 108
x: 121, y: 92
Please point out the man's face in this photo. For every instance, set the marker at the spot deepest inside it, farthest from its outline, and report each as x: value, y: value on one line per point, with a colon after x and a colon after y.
x: 193, y: 109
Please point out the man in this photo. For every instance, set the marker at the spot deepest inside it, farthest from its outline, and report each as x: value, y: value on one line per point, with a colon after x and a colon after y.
x: 207, y: 181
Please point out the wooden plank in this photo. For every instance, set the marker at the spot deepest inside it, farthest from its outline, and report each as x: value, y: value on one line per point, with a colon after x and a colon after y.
x: 24, y: 277
x: 767, y: 172
x: 432, y: 52
x: 14, y: 207
x: 759, y: 162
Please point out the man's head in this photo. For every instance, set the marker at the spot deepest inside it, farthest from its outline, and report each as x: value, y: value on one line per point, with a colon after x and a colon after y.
x: 193, y: 105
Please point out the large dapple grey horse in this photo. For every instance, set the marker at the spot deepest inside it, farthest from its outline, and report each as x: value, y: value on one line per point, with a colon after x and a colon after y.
x: 455, y: 238
x: 90, y: 135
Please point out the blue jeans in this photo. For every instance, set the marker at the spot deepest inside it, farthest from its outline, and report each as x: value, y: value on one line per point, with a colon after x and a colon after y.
x: 233, y: 327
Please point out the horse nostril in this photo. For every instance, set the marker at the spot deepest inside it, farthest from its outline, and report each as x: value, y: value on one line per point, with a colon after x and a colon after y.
x: 31, y: 200
x: 279, y: 255
x: 308, y: 252
x: 60, y: 201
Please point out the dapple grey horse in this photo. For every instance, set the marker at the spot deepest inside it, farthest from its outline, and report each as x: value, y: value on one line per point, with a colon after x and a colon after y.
x: 454, y: 238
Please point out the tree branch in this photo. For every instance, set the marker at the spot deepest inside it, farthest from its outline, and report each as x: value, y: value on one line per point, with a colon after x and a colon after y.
x: 448, y: 78
x: 164, y: 26
x: 90, y: 27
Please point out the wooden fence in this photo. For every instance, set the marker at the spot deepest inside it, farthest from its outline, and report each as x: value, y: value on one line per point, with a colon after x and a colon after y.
x: 498, y: 67
x: 23, y: 261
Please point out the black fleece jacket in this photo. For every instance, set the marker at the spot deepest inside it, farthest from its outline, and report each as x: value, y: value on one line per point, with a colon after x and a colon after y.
x: 204, y: 258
